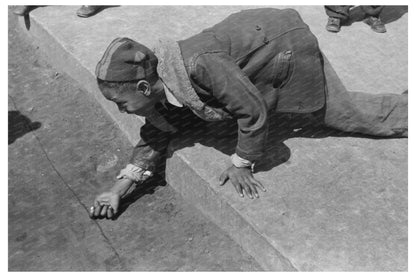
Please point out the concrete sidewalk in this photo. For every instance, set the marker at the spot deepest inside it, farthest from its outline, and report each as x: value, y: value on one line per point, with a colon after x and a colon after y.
x: 333, y: 202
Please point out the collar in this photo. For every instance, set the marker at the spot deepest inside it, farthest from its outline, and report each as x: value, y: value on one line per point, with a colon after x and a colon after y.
x: 171, y: 98
x: 171, y: 70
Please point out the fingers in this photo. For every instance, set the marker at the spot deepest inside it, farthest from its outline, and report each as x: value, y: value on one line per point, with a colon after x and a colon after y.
x: 223, y: 178
x: 110, y: 213
x: 248, y: 185
x: 237, y: 187
x: 257, y: 183
x: 97, y: 208
x: 241, y: 185
x: 104, y: 210
x: 252, y: 187
x: 101, y: 210
x: 246, y: 188
x: 91, y: 212
x: 242, y: 181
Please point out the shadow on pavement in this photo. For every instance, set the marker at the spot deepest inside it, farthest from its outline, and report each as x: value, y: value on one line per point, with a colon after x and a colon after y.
x: 19, y: 125
x: 223, y: 136
x: 149, y: 187
x: 31, y: 8
x: 27, y: 17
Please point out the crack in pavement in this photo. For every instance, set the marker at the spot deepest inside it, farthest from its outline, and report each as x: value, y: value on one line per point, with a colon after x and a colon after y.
x: 107, y: 240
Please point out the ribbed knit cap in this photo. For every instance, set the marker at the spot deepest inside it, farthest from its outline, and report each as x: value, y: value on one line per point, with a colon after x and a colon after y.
x: 126, y: 60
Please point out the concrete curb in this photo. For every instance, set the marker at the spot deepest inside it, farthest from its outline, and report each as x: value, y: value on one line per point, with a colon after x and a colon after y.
x: 216, y: 208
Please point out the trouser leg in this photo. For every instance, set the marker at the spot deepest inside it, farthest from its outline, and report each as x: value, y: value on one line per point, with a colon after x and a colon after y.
x: 371, y: 114
x: 372, y: 10
x: 341, y: 12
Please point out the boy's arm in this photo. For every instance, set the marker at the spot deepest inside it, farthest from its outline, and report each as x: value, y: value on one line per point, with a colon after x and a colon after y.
x: 231, y: 87
x: 151, y: 147
x: 144, y: 161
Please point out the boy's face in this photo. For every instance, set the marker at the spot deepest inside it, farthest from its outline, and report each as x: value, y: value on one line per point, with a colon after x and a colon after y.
x: 130, y: 101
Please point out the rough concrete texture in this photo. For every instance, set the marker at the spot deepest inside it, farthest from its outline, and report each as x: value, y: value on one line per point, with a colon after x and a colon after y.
x: 334, y: 202
x: 63, y: 150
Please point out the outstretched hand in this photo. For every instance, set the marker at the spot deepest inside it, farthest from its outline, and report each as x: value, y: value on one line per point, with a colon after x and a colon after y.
x: 105, y: 205
x: 242, y: 180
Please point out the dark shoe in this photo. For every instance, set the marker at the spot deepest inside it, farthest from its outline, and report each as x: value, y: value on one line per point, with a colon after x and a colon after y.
x: 375, y: 24
x: 333, y: 25
x: 22, y: 10
x: 87, y: 11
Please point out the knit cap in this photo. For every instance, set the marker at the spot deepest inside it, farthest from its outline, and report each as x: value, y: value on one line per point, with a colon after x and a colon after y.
x: 126, y: 60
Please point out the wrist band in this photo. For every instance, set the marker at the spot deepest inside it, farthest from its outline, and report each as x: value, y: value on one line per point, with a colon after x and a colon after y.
x: 134, y: 173
x: 240, y: 162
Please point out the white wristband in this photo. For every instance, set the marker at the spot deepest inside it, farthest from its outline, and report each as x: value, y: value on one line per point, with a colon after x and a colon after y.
x: 134, y: 173
x: 240, y: 162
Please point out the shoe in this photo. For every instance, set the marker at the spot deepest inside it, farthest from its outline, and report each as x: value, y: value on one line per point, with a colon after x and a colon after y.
x: 333, y: 25
x: 87, y: 11
x: 375, y: 24
x: 22, y: 10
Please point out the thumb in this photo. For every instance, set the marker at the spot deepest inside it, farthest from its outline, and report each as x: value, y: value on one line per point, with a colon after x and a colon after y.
x: 114, y: 204
x: 223, y: 178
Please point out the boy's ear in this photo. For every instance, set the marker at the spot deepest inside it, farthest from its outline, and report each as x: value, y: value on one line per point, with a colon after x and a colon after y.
x: 144, y: 87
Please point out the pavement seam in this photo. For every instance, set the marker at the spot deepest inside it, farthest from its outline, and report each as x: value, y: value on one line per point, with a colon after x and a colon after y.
x: 69, y: 188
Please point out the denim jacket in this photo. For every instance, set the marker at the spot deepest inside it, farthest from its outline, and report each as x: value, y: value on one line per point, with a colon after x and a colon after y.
x: 252, y: 63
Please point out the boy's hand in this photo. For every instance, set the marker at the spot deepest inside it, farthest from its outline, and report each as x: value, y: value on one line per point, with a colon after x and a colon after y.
x: 242, y: 180
x: 105, y: 205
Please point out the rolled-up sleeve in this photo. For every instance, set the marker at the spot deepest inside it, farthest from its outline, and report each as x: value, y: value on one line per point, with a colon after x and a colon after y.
x: 232, y: 88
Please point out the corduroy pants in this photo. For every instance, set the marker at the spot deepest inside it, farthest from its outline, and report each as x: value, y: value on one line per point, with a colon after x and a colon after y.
x: 359, y: 112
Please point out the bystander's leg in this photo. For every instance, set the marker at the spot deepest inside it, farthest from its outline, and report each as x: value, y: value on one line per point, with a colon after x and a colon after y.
x: 336, y: 15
